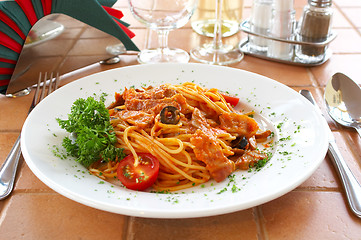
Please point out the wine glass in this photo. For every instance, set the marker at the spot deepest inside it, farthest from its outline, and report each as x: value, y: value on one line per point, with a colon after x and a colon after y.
x: 163, y: 16
x: 217, y: 52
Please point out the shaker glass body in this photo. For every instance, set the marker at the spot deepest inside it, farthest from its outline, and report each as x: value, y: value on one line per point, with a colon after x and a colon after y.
x: 282, y: 27
x: 260, y: 23
x: 314, y: 26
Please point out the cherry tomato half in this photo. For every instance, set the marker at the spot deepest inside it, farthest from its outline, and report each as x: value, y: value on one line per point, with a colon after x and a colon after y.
x: 140, y: 177
x: 231, y: 100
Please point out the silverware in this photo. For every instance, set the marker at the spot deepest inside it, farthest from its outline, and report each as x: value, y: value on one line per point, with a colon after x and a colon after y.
x: 351, y: 186
x: 343, y: 101
x: 9, y: 168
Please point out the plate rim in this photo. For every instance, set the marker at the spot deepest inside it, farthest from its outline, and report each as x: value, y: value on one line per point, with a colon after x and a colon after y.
x: 179, y: 213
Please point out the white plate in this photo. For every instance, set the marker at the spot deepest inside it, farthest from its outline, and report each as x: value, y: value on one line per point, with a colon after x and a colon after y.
x: 300, y: 132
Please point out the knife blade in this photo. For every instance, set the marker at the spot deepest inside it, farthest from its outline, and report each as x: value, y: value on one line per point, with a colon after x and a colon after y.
x: 350, y: 184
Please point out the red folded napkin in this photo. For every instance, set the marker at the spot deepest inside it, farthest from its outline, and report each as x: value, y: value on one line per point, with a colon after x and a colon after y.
x: 28, y: 9
x: 114, y: 12
x: 6, y: 71
x: 21, y: 15
x: 4, y: 82
x: 7, y: 60
x: 46, y: 6
x: 12, y: 24
x: 10, y: 43
x: 125, y: 29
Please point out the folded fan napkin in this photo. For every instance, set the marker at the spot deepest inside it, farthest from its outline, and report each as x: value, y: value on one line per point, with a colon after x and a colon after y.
x: 7, y: 61
x: 46, y: 6
x: 28, y: 9
x: 4, y: 77
x: 94, y: 16
x: 107, y: 3
x: 9, y: 22
x: 6, y: 65
x: 10, y: 43
x: 18, y: 16
x: 38, y: 8
x: 6, y: 71
x: 8, y: 53
x: 3, y: 87
x: 6, y: 29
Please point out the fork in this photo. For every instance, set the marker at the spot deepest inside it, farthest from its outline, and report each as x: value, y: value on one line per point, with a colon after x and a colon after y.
x: 9, y: 168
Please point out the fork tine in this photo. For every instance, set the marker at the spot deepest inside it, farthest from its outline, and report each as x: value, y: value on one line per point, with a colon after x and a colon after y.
x: 57, y: 78
x: 44, y: 87
x: 46, y: 90
x: 50, y: 83
x: 36, y: 96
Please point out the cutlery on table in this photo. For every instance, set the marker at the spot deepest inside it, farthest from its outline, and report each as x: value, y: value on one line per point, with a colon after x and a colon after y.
x: 351, y: 186
x: 9, y: 168
x: 343, y: 101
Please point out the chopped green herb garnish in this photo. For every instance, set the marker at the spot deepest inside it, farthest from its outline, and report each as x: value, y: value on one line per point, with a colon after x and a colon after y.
x: 235, y: 189
x: 94, y: 135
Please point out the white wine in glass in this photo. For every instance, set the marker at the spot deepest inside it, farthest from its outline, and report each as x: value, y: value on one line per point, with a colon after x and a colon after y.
x: 217, y: 53
x: 204, y: 18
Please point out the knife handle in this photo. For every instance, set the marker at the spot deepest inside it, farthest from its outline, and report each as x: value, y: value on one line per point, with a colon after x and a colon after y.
x: 351, y: 185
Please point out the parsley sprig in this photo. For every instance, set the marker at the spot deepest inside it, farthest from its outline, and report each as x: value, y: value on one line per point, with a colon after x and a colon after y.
x: 95, y: 137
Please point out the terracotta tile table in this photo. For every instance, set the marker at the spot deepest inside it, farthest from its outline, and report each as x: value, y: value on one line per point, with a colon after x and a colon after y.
x: 316, y: 209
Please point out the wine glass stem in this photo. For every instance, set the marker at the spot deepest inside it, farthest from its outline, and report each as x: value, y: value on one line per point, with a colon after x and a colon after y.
x: 163, y: 39
x: 217, y: 39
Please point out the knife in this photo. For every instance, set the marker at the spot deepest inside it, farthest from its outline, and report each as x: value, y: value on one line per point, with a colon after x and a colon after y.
x: 350, y: 184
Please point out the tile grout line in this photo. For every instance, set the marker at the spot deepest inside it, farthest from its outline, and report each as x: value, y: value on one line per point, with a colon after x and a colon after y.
x: 261, y: 230
x: 347, y: 18
x: 349, y: 145
x: 35, y: 193
x: 66, y: 56
x: 315, y: 189
x: 314, y: 82
x: 129, y: 233
x: 10, y: 131
x: 4, y: 210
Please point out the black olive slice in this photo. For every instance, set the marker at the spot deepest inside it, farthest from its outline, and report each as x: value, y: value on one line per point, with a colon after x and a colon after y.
x: 169, y: 115
x: 240, y: 143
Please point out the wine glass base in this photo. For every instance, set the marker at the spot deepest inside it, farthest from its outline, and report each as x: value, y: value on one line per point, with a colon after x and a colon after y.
x: 158, y: 55
x: 222, y: 55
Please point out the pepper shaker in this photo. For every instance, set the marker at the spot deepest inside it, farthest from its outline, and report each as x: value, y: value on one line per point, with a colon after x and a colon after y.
x: 314, y: 26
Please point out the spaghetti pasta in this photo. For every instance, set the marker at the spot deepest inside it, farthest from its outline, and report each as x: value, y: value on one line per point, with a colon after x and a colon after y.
x: 196, y: 147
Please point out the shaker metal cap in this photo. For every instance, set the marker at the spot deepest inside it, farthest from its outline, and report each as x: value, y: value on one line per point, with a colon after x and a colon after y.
x: 320, y: 3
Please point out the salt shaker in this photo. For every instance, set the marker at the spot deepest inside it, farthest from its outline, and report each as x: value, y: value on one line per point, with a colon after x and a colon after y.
x: 314, y: 26
x: 283, y: 22
x: 260, y: 23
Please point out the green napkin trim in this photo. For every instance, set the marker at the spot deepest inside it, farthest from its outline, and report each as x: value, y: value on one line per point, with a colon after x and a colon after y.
x: 38, y: 7
x: 8, y: 53
x: 6, y: 65
x: 14, y: 11
x: 122, y: 22
x: 4, y: 77
x: 94, y: 16
x: 107, y: 3
x: 10, y: 32
x: 3, y: 89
